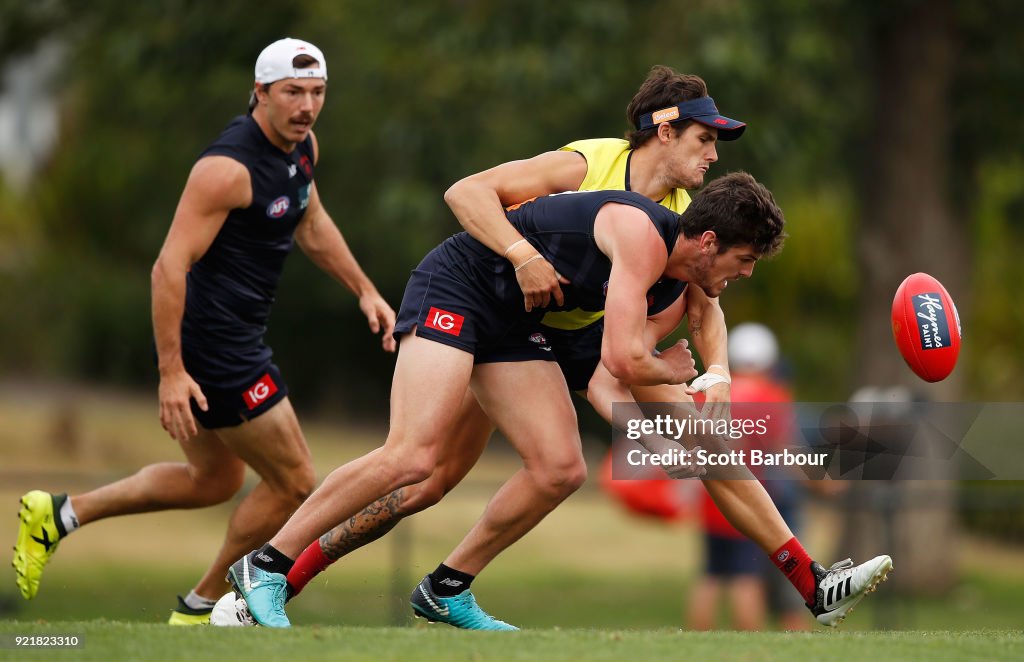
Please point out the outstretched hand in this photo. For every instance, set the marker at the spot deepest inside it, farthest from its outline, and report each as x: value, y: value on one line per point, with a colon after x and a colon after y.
x: 380, y: 317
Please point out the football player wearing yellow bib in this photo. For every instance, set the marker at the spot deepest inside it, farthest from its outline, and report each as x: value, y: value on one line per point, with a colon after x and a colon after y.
x: 657, y: 162
x: 676, y: 127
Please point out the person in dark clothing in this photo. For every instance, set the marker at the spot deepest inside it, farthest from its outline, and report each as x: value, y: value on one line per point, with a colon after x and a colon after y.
x: 249, y: 198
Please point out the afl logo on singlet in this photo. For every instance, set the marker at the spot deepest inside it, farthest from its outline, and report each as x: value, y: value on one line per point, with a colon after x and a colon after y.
x: 278, y: 207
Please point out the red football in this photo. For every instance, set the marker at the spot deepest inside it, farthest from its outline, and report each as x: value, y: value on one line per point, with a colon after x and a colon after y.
x: 926, y: 327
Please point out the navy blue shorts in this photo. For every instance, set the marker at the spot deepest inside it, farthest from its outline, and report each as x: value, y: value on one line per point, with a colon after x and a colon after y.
x: 732, y: 557
x: 228, y: 407
x: 578, y: 353
x: 448, y: 311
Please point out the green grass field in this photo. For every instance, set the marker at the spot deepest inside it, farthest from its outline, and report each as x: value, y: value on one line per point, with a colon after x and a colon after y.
x: 590, y: 583
x: 121, y: 641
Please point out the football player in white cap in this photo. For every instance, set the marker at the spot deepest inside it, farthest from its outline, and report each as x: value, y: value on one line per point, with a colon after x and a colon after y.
x: 249, y: 198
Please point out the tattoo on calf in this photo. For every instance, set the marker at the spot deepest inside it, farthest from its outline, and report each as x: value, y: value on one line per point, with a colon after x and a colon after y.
x: 364, y: 527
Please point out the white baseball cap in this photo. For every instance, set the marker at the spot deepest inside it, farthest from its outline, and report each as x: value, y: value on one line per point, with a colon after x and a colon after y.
x: 752, y: 347
x: 275, y: 62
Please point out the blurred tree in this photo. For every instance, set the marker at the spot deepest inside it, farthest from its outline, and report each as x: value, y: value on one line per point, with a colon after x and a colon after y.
x: 908, y: 222
x: 874, y: 130
x: 23, y: 24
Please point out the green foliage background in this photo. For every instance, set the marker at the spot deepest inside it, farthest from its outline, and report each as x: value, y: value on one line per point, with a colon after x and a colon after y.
x: 424, y: 93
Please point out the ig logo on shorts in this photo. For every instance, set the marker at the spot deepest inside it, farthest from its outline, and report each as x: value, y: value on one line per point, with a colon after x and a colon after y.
x: 260, y: 391
x: 444, y: 321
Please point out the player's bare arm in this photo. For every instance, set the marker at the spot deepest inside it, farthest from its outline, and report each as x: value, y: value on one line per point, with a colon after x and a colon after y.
x: 216, y: 185
x: 706, y: 324
x: 322, y: 241
x: 659, y: 327
x: 638, y: 254
x: 604, y: 390
x: 478, y: 202
x: 601, y: 394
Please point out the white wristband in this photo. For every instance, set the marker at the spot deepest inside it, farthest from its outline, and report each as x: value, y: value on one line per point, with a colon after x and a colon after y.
x: 709, y: 379
x: 536, y: 257
x: 513, y: 245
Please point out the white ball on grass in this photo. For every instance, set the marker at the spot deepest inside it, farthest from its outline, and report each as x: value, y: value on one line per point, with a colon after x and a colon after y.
x: 231, y: 611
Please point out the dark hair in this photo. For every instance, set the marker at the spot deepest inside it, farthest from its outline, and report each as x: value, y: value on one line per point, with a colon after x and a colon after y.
x: 662, y: 88
x: 740, y: 211
x: 302, y: 61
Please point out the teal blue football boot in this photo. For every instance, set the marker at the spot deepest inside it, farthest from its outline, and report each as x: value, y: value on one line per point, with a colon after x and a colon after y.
x: 264, y: 592
x: 460, y: 611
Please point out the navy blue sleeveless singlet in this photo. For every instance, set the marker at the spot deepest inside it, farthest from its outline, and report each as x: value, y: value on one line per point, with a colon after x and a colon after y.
x: 230, y: 289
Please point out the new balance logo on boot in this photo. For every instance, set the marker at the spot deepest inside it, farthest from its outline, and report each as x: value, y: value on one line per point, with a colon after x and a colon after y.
x: 459, y: 611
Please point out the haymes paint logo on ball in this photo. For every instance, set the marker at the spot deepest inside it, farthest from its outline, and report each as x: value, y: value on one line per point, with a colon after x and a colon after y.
x: 931, y: 320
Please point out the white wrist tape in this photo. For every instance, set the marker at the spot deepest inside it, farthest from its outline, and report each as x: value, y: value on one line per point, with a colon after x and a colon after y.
x: 513, y: 245
x: 709, y: 379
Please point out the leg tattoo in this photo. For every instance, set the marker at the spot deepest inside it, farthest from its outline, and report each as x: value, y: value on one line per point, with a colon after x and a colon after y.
x: 364, y: 527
